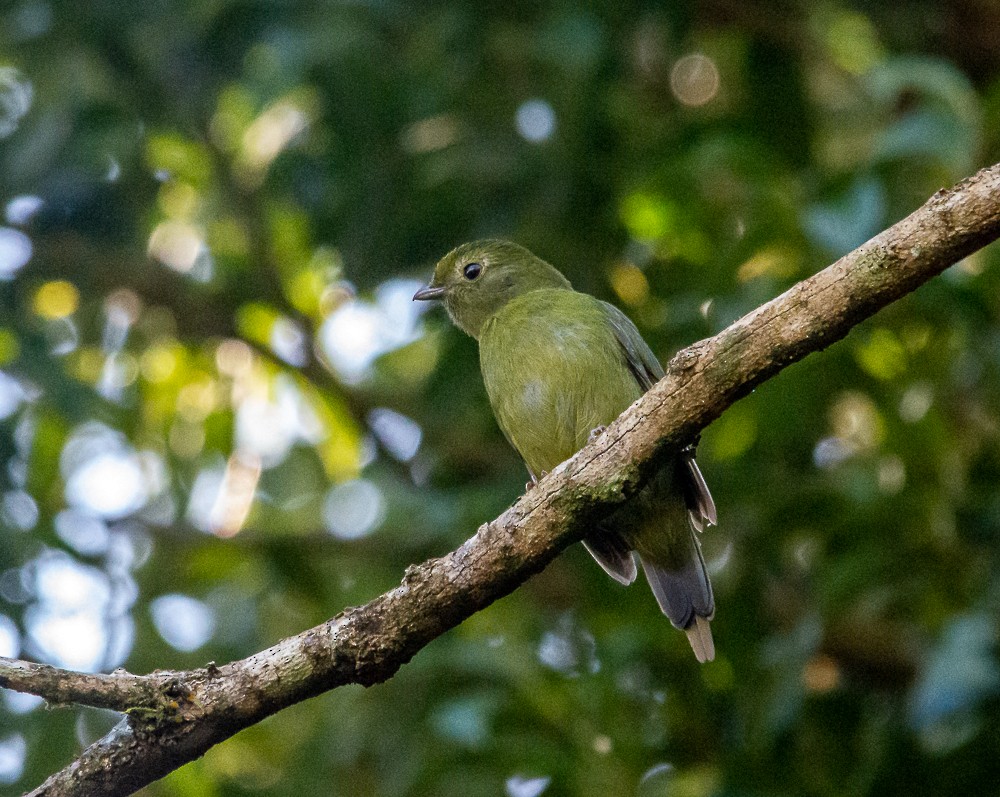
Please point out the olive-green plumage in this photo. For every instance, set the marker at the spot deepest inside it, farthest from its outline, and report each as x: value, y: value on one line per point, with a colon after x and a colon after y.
x: 558, y: 364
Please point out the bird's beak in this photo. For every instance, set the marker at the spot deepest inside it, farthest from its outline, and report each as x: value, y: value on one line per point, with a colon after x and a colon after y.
x: 428, y: 292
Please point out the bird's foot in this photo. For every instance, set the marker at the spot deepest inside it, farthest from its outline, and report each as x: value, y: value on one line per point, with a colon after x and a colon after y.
x: 534, y: 482
x: 596, y: 432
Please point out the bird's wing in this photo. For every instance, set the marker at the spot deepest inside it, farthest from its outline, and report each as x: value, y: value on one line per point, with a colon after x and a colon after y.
x: 640, y: 358
x: 647, y: 371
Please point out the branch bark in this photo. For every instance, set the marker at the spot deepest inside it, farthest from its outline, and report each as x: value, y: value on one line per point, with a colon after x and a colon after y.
x: 174, y: 717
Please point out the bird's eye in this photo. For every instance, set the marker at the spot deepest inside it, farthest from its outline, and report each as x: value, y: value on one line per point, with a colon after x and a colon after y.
x: 472, y: 271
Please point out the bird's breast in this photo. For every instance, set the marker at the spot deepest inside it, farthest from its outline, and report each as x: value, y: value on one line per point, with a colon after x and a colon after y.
x: 551, y: 379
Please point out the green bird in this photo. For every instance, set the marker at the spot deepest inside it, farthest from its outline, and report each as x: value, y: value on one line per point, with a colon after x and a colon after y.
x: 557, y: 365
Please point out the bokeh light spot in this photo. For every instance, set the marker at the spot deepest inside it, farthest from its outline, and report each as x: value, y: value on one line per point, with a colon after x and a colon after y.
x: 197, y: 399
x: 535, y: 120
x: 629, y: 283
x: 21, y: 209
x: 77, y: 641
x: 272, y: 132
x: 569, y: 649
x: 773, y: 261
x: 398, y: 434
x: 56, y: 299
x: 821, y: 673
x: 16, y: 94
x: 520, y: 786
x: 233, y: 358
x: 830, y: 452
x: 916, y: 402
x: 857, y: 421
x: 159, y: 362
x: 30, y: 19
x: 882, y: 355
x: 236, y: 494
x: 176, y: 244
x: 430, y: 135
x: 853, y: 43
x: 110, y: 484
x: 19, y: 510
x: 268, y: 429
x: 82, y: 531
x: 289, y: 342
x: 11, y: 395
x: 891, y: 474
x: 185, y: 623
x: 694, y: 79
x: 13, y: 751
x: 69, y: 621
x: 10, y: 638
x: 357, y: 331
x: 353, y: 509
x: 15, y: 252
x: 68, y: 585
x: 10, y: 346
x: 647, y: 216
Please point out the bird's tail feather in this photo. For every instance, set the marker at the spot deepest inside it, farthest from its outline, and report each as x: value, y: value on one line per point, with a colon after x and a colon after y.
x: 699, y: 634
x: 612, y: 552
x: 685, y: 597
x: 701, y: 507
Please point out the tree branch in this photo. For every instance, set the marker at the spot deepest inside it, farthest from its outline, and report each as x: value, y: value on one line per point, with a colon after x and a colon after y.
x: 184, y: 713
x: 119, y: 691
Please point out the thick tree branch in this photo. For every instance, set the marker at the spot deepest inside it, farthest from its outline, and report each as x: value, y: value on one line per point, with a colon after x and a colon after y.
x: 181, y: 715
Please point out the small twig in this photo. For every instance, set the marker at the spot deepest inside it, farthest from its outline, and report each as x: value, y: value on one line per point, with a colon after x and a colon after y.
x: 119, y: 691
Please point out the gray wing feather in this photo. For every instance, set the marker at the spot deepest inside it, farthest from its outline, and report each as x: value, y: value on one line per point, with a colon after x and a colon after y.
x: 612, y: 552
x: 640, y: 358
x: 648, y: 371
x: 685, y: 595
x: 701, y: 506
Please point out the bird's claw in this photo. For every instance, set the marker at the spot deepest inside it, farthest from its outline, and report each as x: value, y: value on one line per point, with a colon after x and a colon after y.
x: 534, y: 482
x: 596, y: 432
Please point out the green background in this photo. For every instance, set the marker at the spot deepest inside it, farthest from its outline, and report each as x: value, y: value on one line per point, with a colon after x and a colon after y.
x: 222, y: 421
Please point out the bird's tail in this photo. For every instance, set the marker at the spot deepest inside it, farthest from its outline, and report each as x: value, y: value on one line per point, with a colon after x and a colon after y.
x: 685, y: 597
x: 613, y: 553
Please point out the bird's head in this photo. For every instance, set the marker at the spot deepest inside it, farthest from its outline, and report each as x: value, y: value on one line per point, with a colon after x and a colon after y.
x: 476, y: 280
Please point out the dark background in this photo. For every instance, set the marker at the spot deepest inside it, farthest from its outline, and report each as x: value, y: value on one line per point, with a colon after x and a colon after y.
x: 222, y: 420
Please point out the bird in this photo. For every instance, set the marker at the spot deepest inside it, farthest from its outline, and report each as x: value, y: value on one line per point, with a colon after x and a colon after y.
x: 559, y: 365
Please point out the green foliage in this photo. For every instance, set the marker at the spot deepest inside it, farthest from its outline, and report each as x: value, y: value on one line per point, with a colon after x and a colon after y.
x: 222, y: 420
